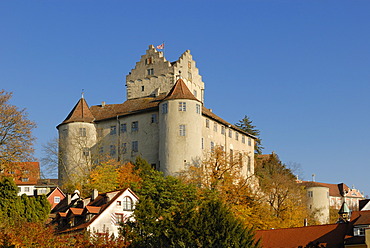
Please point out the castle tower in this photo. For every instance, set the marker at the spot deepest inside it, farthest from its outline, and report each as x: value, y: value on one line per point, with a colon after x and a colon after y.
x: 180, y: 129
x: 77, y: 134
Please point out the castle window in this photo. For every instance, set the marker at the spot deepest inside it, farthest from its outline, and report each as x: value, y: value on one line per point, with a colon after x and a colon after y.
x: 164, y: 108
x: 202, y: 143
x: 310, y: 193
x: 249, y: 164
x: 86, y: 151
x: 249, y: 141
x: 128, y: 204
x: 150, y: 71
x: 154, y: 118
x: 135, y: 146
x: 124, y: 128
x: 182, y: 106
x: 212, y: 146
x: 236, y: 136
x: 241, y: 160
x: 142, y: 88
x: 182, y: 130
x: 134, y: 126
x: 113, y: 130
x: 124, y: 148
x: 195, y: 93
x: 149, y: 61
x: 83, y: 132
x: 112, y: 150
x: 230, y: 133
x: 198, y: 108
x: 222, y: 130
x: 207, y: 123
x: 231, y: 156
x: 215, y: 127
x: 243, y: 139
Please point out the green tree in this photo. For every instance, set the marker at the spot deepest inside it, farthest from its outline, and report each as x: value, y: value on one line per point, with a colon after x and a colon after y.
x: 246, y: 125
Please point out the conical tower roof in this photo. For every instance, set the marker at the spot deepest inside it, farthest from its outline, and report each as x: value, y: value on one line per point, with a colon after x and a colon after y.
x: 344, y: 209
x: 180, y: 91
x: 80, y: 113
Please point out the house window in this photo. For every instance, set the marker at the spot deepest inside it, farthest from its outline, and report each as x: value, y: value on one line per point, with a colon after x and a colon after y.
x: 119, y: 218
x: 236, y: 136
x: 164, y: 108
x: 112, y: 150
x: 119, y: 203
x: 359, y: 231
x: 124, y: 128
x: 83, y: 132
x: 222, y: 130
x: 212, y: 146
x: 25, y: 179
x: 154, y: 118
x: 310, y: 193
x: 150, y: 71
x: 207, y: 123
x: 215, y: 127
x: 134, y: 126
x: 26, y: 189
x: 197, y: 108
x: 86, y: 151
x: 124, y: 148
x: 243, y: 139
x: 128, y: 204
x: 56, y: 199
x: 249, y: 141
x: 182, y: 106
x: 135, y: 146
x: 113, y: 130
x: 182, y: 130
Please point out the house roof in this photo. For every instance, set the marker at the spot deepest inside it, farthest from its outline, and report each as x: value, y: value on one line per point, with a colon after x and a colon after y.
x: 360, y: 217
x: 80, y: 113
x: 76, y: 211
x: 326, y: 235
x: 93, y: 209
x: 334, y: 189
x: 180, y: 91
x: 24, y: 170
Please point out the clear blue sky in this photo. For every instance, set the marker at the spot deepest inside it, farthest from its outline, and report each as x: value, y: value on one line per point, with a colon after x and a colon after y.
x: 299, y: 69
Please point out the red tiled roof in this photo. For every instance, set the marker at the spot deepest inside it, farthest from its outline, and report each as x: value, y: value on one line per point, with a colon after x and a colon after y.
x: 333, y: 188
x: 360, y: 217
x: 180, y: 91
x: 62, y: 214
x: 24, y: 173
x: 327, y: 235
x: 93, y: 209
x: 76, y: 211
x: 80, y: 113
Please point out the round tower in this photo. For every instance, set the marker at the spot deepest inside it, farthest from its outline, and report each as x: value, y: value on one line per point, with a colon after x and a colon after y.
x: 180, y: 131
x: 318, y: 202
x: 77, y: 135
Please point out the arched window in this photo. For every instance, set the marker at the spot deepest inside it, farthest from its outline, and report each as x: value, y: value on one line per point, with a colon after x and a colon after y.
x: 128, y: 204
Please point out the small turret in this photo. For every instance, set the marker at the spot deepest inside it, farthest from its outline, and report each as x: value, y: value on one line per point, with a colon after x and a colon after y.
x: 344, y: 213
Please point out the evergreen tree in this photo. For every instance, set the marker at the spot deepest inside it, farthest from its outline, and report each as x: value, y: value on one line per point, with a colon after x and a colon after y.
x: 246, y: 125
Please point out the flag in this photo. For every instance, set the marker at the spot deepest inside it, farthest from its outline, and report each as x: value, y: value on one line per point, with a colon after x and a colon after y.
x: 161, y: 46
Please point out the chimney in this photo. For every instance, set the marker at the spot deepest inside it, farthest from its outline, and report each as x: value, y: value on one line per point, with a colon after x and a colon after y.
x: 95, y: 194
x: 313, y: 177
x: 69, y: 199
x: 103, y: 104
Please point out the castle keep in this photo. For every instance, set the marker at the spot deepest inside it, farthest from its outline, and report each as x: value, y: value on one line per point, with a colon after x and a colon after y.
x: 163, y: 120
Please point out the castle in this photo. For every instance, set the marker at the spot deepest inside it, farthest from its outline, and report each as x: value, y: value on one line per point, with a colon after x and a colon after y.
x: 163, y: 120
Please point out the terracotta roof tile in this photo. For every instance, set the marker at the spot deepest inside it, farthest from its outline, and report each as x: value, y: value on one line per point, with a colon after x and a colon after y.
x: 180, y: 91
x: 326, y: 235
x: 76, y: 211
x: 93, y: 209
x: 80, y: 113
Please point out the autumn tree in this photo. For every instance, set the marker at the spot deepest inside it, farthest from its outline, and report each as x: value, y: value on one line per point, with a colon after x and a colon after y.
x: 246, y: 125
x: 16, y: 140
